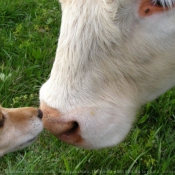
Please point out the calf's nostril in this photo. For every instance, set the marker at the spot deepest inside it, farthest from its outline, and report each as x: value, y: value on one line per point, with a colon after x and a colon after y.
x: 40, y: 114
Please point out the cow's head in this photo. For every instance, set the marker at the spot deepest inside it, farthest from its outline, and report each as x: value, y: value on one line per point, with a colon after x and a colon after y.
x: 113, y: 56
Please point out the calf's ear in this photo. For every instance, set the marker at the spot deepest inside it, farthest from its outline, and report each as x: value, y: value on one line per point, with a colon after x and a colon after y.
x: 150, y: 7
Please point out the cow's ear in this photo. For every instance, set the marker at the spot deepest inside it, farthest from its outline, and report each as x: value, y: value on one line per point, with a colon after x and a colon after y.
x: 150, y: 7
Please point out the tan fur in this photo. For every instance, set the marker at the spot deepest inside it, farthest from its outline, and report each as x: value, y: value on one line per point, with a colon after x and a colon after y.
x: 19, y: 127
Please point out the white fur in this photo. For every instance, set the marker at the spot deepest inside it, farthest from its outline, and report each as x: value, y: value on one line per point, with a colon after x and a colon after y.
x: 110, y: 61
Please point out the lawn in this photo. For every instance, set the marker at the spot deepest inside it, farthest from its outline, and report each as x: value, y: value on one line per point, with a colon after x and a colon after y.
x: 28, y: 38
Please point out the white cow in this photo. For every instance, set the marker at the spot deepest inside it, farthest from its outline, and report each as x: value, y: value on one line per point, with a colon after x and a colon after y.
x: 113, y: 56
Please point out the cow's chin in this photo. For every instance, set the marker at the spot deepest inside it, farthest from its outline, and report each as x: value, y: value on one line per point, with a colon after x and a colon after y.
x: 90, y: 128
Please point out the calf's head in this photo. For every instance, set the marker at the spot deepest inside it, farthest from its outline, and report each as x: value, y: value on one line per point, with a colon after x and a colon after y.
x: 113, y: 56
x: 19, y: 127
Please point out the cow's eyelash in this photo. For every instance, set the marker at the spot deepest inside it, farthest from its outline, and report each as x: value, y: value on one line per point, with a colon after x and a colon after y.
x: 164, y: 3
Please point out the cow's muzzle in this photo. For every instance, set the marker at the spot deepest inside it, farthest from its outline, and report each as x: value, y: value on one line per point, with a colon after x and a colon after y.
x: 54, y: 122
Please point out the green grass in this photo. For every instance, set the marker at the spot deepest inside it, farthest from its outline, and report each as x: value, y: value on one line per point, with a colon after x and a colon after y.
x: 28, y: 38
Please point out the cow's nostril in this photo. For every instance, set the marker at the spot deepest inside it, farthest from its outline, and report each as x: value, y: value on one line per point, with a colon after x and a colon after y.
x: 73, y: 135
x: 40, y: 114
x: 74, y: 129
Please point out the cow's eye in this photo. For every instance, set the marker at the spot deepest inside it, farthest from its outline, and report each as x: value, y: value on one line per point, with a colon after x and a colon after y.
x: 2, y: 120
x: 159, y: 3
x: 164, y: 3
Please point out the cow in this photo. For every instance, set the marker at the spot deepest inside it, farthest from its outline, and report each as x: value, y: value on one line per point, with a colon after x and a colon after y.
x: 113, y: 56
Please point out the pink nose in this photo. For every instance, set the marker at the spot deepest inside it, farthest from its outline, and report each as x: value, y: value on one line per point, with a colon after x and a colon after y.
x: 54, y: 122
